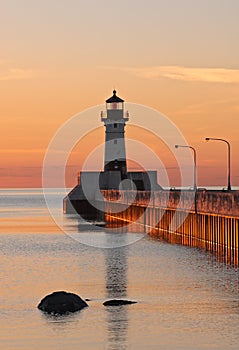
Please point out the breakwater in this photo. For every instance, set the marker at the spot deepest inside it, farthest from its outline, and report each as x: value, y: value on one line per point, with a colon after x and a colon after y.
x: 205, y: 219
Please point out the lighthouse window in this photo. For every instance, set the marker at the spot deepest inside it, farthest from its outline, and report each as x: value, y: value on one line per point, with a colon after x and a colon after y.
x: 115, y: 142
x: 115, y: 125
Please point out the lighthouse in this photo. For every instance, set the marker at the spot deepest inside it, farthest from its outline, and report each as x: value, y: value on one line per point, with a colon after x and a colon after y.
x: 82, y: 197
x: 114, y: 119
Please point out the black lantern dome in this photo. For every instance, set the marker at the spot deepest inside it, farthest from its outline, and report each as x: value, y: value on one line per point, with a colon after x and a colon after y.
x: 114, y: 98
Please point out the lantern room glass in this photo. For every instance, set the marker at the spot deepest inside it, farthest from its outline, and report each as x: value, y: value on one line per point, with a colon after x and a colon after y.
x: 115, y: 105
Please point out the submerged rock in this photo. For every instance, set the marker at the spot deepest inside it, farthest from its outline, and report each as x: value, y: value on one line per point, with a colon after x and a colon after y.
x: 117, y: 302
x: 61, y: 303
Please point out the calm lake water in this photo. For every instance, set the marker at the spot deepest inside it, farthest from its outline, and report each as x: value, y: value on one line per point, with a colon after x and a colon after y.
x: 186, y: 298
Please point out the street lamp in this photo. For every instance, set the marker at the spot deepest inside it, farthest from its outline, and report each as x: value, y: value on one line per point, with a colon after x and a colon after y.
x: 195, y: 163
x: 228, y: 159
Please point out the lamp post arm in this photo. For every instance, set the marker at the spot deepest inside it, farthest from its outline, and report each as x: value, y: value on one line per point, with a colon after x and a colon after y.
x: 195, y: 163
x: 228, y: 159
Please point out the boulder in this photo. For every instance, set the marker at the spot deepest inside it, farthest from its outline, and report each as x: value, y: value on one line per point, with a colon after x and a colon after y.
x: 117, y: 302
x: 61, y: 303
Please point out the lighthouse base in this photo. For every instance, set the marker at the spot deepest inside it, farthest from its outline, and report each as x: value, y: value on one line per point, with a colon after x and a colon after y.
x: 86, y: 199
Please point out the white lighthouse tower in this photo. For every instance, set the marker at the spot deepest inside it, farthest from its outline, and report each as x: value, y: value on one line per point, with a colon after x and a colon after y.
x: 114, y: 121
x: 82, y: 198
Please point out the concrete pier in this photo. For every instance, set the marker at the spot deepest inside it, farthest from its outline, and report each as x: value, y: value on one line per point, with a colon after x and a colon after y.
x: 209, y: 220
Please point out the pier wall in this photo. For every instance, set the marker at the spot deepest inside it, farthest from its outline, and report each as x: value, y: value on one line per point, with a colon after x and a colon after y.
x: 209, y: 219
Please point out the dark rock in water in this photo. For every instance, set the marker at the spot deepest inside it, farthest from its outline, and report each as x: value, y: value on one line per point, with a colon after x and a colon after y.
x: 61, y: 303
x: 117, y: 302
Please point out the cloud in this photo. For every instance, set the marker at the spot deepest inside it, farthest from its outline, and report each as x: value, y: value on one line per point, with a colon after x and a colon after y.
x: 224, y: 104
x: 14, y: 73
x: 188, y: 74
x: 23, y: 150
x: 236, y: 108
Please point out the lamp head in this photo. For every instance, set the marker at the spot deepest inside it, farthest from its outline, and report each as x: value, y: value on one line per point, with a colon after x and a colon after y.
x: 176, y: 146
x: 207, y: 138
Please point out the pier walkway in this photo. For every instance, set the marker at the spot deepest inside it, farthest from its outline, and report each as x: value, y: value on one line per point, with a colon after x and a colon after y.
x: 205, y: 219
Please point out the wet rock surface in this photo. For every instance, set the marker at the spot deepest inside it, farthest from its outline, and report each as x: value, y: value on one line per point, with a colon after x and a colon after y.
x: 61, y: 303
x: 117, y: 302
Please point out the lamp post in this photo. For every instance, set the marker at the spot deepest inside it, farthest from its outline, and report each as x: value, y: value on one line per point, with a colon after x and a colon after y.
x: 228, y: 159
x: 195, y: 163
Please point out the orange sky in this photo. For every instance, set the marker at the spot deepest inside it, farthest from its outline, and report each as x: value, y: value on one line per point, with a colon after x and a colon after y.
x: 58, y: 58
